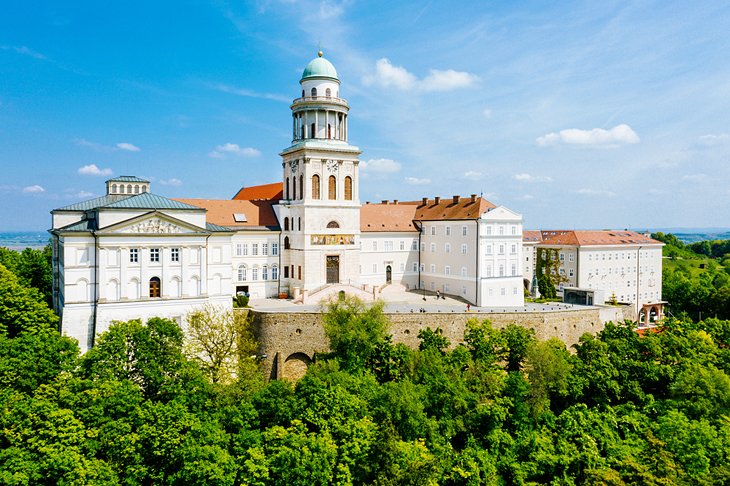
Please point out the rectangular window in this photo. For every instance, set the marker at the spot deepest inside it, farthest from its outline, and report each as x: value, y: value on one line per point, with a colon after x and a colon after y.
x: 154, y: 254
x: 433, y: 247
x: 571, y: 257
x: 463, y: 249
x: 402, y: 267
x: 423, y: 267
x: 239, y: 249
x: 433, y: 268
x: 414, y: 245
x: 463, y: 271
x: 245, y: 249
x: 254, y: 249
x: 286, y: 272
x: 446, y: 288
x: 570, y: 272
x: 423, y: 247
x: 133, y: 255
x: 375, y: 246
x: 501, y: 249
x: 489, y: 270
x: 175, y: 254
x: 375, y: 268
x: 433, y: 230
x: 447, y: 247
x: 415, y: 266
x: 514, y: 269
x: 255, y: 273
x: 464, y: 230
x: 562, y: 271
x: 402, y: 245
x: 489, y: 229
x: 264, y: 249
x: 265, y: 273
x: 447, y: 270
x: 514, y: 249
x: 448, y: 231
x: 489, y: 249
x: 299, y: 271
x: 514, y: 229
x: 275, y: 249
x: 388, y: 245
x: 562, y: 257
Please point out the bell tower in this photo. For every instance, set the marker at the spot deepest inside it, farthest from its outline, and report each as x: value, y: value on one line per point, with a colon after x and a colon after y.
x: 320, y: 209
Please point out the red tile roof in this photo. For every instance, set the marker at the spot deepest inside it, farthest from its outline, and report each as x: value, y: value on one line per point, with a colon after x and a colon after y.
x: 221, y: 212
x: 399, y: 216
x: 388, y: 217
x: 446, y: 209
x: 274, y: 192
x: 531, y: 236
x: 595, y: 238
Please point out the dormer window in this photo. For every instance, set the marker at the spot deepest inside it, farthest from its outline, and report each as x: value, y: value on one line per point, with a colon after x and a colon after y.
x: 314, y: 92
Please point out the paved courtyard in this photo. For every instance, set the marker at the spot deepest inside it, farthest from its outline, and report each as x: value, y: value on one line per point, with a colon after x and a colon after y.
x: 398, y: 300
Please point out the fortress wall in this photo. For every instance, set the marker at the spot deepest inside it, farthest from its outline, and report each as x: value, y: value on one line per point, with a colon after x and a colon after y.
x: 289, y: 340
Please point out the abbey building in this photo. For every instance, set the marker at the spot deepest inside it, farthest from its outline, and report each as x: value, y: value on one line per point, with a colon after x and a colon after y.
x: 134, y: 254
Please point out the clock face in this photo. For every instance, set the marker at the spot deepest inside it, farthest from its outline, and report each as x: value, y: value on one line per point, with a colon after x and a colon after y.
x: 332, y: 165
x: 294, y: 166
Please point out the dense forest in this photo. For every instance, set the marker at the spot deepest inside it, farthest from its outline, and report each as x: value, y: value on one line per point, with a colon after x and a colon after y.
x: 144, y: 406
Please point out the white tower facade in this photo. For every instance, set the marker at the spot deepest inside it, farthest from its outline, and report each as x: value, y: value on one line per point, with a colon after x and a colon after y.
x: 320, y: 209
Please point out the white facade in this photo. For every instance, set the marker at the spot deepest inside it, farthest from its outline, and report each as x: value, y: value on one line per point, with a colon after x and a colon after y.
x: 389, y: 257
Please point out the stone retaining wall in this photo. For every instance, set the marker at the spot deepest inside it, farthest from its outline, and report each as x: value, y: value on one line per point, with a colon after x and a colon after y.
x: 290, y: 339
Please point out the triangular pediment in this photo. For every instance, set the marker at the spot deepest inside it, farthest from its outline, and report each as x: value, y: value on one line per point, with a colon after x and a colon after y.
x: 500, y: 212
x: 153, y: 223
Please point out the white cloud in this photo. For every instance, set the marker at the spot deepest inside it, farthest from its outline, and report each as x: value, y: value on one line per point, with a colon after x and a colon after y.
x: 694, y: 177
x: 92, y: 169
x: 595, y: 192
x: 447, y: 80
x: 84, y: 194
x: 33, y: 189
x: 387, y: 75
x: 714, y: 139
x: 414, y: 181
x: 526, y: 197
x: 250, y: 93
x: 233, y: 148
x: 379, y: 166
x: 127, y: 146
x: 472, y: 174
x: 171, y: 182
x: 525, y: 177
x: 24, y: 50
x: 618, y: 135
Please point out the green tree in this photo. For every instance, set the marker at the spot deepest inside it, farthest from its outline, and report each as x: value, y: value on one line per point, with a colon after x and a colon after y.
x: 22, y: 309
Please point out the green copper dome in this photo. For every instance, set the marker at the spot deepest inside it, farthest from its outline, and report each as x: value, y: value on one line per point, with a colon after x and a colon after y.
x: 319, y: 67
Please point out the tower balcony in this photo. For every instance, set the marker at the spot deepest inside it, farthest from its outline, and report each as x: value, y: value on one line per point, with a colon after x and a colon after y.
x: 320, y: 99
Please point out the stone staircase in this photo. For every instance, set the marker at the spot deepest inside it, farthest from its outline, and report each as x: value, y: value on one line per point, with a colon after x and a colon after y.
x: 326, y: 292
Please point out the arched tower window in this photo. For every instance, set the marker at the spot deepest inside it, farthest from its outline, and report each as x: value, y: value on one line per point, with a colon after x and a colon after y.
x: 144, y: 189
x: 301, y: 186
x: 299, y: 224
x: 286, y: 243
x: 121, y: 189
x: 114, y: 188
x: 302, y: 131
x: 332, y: 188
x: 315, y: 187
x: 242, y: 273
x: 348, y: 188
x: 286, y: 224
x: 314, y: 92
x: 328, y: 93
x: 155, y: 287
x: 333, y: 224
x: 287, y: 188
x: 136, y: 189
x: 129, y: 189
x: 302, y: 93
x: 313, y: 131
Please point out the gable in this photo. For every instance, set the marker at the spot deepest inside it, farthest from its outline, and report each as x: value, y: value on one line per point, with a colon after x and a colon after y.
x: 153, y: 223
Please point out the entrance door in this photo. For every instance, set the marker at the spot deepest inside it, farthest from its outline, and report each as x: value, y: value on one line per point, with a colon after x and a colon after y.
x: 388, y: 274
x: 333, y: 269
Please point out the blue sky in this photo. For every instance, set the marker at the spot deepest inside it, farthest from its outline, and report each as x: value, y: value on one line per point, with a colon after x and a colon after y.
x: 577, y: 115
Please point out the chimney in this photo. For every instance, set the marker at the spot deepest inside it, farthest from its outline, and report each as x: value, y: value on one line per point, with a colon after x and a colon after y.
x: 456, y: 199
x: 367, y: 202
x: 473, y: 198
x: 424, y: 201
x: 395, y: 201
x: 436, y: 200
x: 384, y: 201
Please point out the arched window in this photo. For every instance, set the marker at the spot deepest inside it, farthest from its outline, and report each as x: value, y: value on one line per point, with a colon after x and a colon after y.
x: 314, y: 92
x: 333, y: 224
x: 287, y: 188
x: 286, y: 243
x: 315, y: 187
x: 241, y: 273
x: 286, y: 224
x: 129, y: 188
x: 144, y: 189
x: 299, y: 224
x: 114, y: 188
x: 274, y: 272
x: 302, y: 132
x: 301, y: 186
x: 348, y: 188
x: 312, y: 132
x: 121, y: 189
x: 332, y: 188
x: 328, y: 92
x: 294, y: 187
x: 155, y: 287
x: 136, y: 189
x: 302, y: 93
